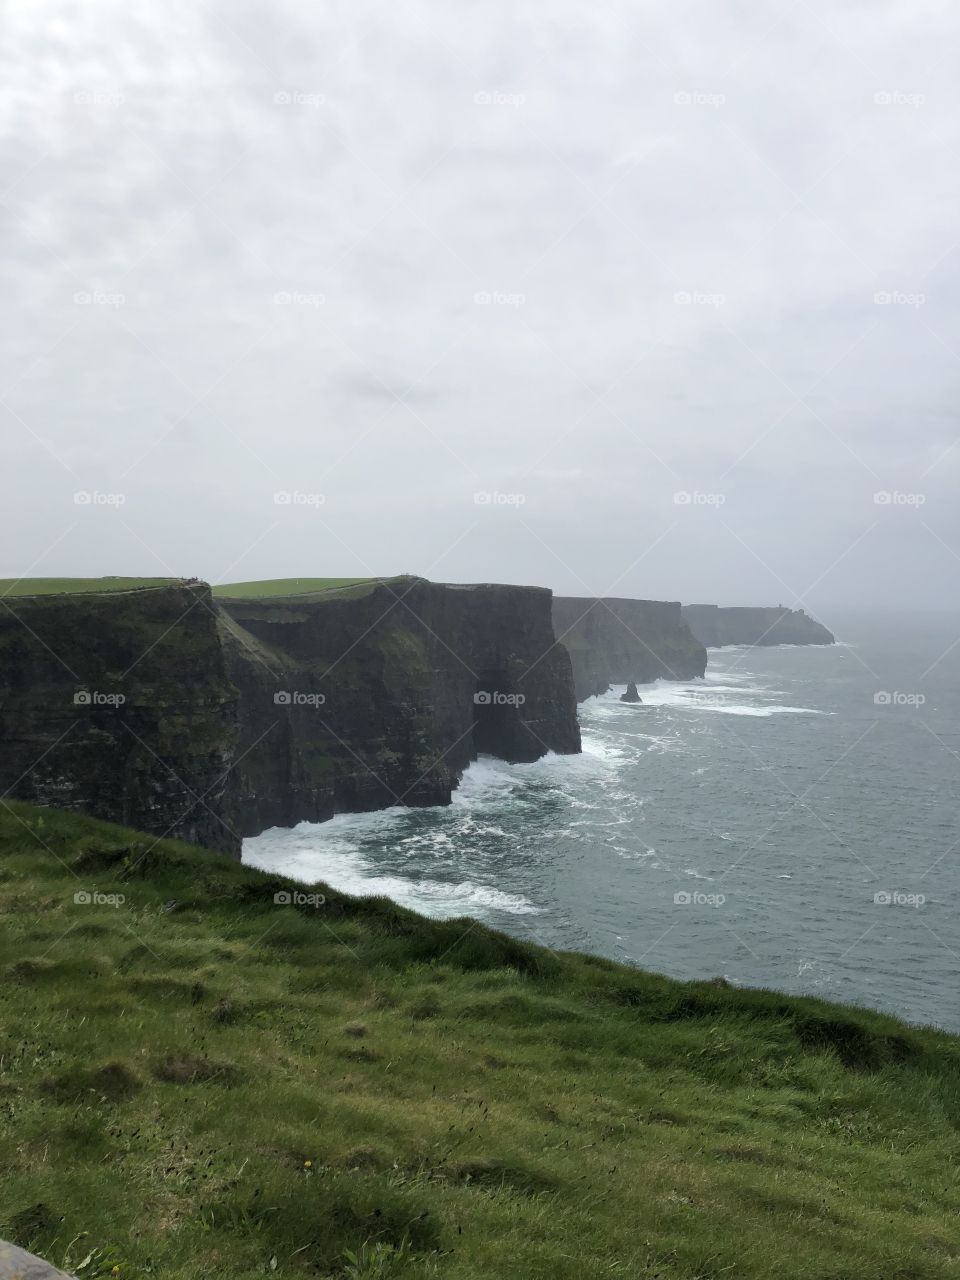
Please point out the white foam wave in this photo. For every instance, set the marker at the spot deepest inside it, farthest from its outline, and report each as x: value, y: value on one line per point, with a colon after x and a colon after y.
x: 711, y: 699
x: 314, y: 858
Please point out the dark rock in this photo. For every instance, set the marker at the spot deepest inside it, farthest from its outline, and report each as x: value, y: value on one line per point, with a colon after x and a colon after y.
x: 715, y: 626
x: 615, y: 641
x: 631, y: 694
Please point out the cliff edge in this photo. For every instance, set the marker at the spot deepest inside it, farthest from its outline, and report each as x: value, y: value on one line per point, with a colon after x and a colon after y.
x: 616, y: 641
x: 716, y: 626
x: 209, y: 720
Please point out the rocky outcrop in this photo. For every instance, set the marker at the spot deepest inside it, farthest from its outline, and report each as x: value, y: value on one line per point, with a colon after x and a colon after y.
x: 715, y: 626
x: 17, y: 1264
x: 630, y: 695
x: 380, y: 695
x: 118, y: 704
x: 208, y: 721
x: 615, y: 641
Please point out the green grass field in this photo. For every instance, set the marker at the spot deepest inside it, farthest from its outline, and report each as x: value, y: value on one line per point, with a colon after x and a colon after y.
x: 87, y: 586
x: 286, y: 586
x: 203, y: 1082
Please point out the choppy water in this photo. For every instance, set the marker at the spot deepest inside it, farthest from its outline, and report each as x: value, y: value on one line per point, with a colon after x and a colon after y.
x: 778, y: 784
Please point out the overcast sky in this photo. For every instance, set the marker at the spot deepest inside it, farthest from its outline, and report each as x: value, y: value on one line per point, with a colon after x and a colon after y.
x: 614, y: 268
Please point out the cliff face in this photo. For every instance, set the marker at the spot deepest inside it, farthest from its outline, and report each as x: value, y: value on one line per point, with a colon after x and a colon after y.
x: 118, y: 704
x: 617, y: 641
x: 377, y: 696
x: 715, y: 626
x: 166, y: 712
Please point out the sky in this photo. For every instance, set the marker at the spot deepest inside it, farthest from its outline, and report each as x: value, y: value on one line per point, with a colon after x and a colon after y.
x: 634, y: 299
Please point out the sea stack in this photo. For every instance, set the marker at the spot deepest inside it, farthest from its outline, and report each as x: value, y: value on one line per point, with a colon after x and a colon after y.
x: 631, y: 694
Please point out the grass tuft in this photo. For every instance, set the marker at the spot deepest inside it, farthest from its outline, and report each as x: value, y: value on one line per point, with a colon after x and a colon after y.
x: 201, y: 1081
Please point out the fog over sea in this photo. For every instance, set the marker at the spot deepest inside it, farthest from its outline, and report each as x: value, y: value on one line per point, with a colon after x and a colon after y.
x: 791, y: 821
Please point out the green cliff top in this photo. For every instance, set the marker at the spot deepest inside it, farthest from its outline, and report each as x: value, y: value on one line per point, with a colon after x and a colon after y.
x: 201, y: 1081
x: 286, y: 587
x: 77, y: 586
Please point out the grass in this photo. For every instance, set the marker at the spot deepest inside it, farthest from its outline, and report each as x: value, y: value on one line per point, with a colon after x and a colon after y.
x: 77, y: 586
x: 284, y: 587
x: 203, y: 1082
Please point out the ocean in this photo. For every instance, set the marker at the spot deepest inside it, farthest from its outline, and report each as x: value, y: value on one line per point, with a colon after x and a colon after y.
x: 791, y: 821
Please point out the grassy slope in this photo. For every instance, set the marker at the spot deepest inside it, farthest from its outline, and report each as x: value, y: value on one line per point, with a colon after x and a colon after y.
x: 210, y: 1084
x: 59, y: 586
x: 285, y: 587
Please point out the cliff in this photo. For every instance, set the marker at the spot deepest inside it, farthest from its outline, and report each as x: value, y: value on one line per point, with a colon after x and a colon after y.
x: 208, y: 721
x: 618, y: 641
x: 117, y: 704
x: 382, y: 694
x: 715, y: 626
